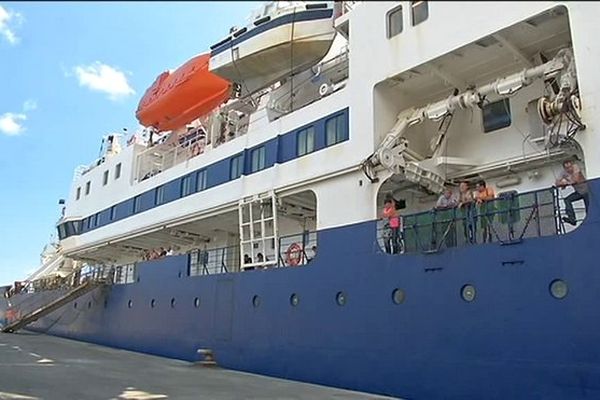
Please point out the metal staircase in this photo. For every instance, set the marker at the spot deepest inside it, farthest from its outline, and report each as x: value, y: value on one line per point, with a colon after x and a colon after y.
x: 46, y: 309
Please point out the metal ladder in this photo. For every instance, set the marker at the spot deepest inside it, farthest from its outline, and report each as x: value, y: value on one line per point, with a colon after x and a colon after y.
x: 258, y: 229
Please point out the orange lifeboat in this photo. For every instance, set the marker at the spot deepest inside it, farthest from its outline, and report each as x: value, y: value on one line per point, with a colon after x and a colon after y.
x: 177, y: 98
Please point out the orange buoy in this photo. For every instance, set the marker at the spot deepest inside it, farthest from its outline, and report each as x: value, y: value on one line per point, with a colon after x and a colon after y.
x: 177, y: 98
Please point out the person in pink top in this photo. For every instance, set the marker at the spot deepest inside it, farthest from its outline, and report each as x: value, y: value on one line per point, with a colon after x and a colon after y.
x: 392, y: 238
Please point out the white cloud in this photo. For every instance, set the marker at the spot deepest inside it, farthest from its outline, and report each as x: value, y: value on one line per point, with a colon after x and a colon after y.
x: 104, y: 78
x: 8, y: 21
x: 11, y: 124
x: 29, y: 105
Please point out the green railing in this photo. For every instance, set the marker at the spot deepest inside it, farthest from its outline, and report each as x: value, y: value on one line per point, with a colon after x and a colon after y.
x: 508, y: 219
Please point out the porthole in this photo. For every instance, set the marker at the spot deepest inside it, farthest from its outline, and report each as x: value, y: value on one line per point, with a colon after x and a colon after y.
x: 197, y: 302
x: 173, y: 302
x: 294, y: 300
x: 340, y: 298
x: 130, y: 304
x: 398, y: 296
x: 559, y: 289
x: 468, y: 293
x: 256, y: 301
x: 152, y: 303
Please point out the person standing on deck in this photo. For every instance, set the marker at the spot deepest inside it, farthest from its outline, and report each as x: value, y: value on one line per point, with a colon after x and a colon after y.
x: 483, y: 197
x: 389, y: 212
x: 465, y: 205
x: 573, y: 176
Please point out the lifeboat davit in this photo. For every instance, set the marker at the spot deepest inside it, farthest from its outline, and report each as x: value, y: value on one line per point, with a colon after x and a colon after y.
x: 178, y: 98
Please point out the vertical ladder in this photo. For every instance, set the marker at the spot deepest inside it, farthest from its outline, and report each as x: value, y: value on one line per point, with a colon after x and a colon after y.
x: 258, y: 230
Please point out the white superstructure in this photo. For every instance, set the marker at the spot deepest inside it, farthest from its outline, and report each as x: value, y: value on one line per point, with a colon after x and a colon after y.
x: 486, y: 64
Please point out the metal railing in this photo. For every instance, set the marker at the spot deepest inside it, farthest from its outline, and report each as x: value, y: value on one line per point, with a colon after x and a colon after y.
x: 214, y: 261
x: 508, y: 219
x: 298, y: 249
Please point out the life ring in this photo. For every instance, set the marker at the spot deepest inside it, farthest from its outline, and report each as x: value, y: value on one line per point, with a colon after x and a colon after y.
x: 293, y: 255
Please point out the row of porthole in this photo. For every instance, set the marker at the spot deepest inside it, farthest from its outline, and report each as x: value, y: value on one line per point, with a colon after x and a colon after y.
x: 558, y: 289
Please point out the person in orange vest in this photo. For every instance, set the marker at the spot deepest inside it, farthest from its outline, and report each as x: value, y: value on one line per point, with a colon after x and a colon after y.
x: 392, y: 238
x: 484, y: 197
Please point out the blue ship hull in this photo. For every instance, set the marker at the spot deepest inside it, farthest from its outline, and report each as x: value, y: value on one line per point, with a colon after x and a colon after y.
x: 514, y: 341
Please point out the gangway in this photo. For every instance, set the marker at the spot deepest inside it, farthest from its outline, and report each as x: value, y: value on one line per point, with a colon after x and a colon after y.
x: 46, y: 309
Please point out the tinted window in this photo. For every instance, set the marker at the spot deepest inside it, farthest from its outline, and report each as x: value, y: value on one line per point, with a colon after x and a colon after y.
x: 201, y: 181
x: 258, y: 159
x: 496, y: 115
x: 159, y: 195
x: 334, y: 130
x: 88, y: 186
x: 137, y: 204
x: 78, y: 195
x: 187, y: 185
x: 305, y: 141
x: 118, y: 171
x: 419, y: 11
x: 105, y: 178
x: 394, y: 22
x: 236, y: 167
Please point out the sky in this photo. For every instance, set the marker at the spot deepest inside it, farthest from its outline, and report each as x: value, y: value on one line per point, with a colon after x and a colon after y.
x: 71, y: 72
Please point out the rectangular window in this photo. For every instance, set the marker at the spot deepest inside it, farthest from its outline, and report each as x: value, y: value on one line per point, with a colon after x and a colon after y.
x: 88, y: 186
x: 113, y: 212
x: 201, y: 181
x: 258, y: 159
x: 236, y: 167
x: 159, y: 195
x: 305, y: 141
x: 419, y: 11
x: 78, y: 194
x: 118, y: 171
x: 137, y: 204
x: 96, y: 220
x: 394, y: 22
x: 105, y: 178
x: 88, y: 222
x: 496, y: 115
x: 187, y: 185
x: 334, y: 130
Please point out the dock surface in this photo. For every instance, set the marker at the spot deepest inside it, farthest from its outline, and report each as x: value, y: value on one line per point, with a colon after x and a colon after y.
x: 36, y: 366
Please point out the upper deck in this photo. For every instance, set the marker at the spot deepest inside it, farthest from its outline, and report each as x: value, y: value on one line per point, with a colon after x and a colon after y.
x: 320, y: 142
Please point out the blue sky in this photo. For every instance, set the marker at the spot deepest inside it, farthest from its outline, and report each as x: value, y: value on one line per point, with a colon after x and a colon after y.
x: 70, y: 73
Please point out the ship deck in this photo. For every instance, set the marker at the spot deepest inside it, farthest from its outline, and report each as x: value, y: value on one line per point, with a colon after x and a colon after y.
x: 36, y: 366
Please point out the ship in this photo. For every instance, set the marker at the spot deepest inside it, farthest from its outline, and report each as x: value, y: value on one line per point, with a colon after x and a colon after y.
x: 299, y: 218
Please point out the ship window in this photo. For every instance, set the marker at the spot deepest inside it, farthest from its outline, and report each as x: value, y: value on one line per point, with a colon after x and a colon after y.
x: 306, y: 141
x: 334, y: 130
x: 95, y: 220
x: 117, y: 171
x: 201, y: 181
x: 159, y: 195
x: 258, y: 159
x: 105, y: 178
x: 88, y: 186
x: 78, y: 195
x: 419, y: 11
x: 496, y: 115
x: 137, y: 204
x: 113, y: 211
x: 236, y: 167
x: 187, y: 186
x: 394, y: 22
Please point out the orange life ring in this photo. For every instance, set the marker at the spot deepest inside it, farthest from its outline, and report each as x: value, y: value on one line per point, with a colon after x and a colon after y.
x: 293, y: 255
